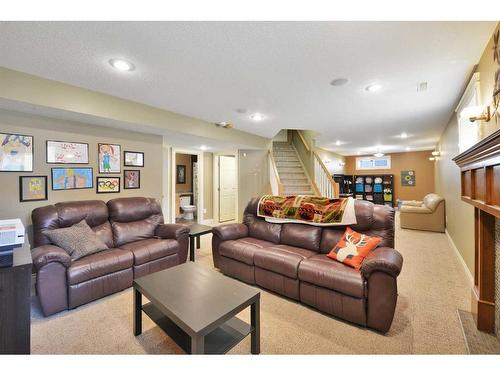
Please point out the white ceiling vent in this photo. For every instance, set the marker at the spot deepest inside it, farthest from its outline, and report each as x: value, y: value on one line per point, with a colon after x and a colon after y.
x: 422, y: 86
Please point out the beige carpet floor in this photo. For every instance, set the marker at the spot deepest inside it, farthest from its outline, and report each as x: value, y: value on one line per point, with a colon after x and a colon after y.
x: 432, y: 286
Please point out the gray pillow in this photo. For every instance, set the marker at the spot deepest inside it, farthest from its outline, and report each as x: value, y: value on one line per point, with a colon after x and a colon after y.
x: 78, y: 240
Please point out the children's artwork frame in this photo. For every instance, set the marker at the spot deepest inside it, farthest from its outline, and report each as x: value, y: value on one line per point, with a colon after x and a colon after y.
x: 32, y: 188
x: 106, y: 185
x: 16, y: 152
x: 133, y: 159
x: 62, y: 152
x: 69, y: 178
x: 109, y: 158
x: 131, y: 179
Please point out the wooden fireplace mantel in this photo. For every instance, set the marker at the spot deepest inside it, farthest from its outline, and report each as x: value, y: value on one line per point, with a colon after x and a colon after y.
x: 480, y: 187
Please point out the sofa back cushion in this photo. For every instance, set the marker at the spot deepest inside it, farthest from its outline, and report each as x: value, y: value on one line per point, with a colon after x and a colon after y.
x: 134, y: 219
x: 66, y: 214
x: 301, y: 235
x: 373, y: 220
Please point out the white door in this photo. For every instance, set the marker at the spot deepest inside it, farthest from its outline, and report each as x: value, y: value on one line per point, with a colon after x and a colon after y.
x: 227, y: 188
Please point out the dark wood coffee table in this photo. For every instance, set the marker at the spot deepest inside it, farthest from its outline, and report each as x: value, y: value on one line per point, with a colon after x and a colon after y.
x: 196, y: 231
x: 197, y: 308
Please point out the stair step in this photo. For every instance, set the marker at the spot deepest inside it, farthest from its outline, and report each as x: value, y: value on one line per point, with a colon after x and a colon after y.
x: 285, y: 170
x: 287, y: 163
x: 294, y: 192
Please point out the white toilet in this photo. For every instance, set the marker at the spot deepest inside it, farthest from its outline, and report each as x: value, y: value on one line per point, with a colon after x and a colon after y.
x: 187, y: 209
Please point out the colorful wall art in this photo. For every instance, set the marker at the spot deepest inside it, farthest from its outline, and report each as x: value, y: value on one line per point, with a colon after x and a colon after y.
x: 72, y: 178
x: 16, y: 153
x: 109, y: 158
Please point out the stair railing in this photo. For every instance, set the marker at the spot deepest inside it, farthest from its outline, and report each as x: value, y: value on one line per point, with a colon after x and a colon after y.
x: 323, y: 180
x: 274, y: 178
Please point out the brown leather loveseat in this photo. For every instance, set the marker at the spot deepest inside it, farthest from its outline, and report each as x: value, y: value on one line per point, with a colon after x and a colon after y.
x: 290, y: 259
x: 139, y: 243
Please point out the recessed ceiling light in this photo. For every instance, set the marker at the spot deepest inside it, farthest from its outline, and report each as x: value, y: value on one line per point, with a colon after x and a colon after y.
x: 203, y: 147
x: 340, y: 82
x: 257, y: 117
x: 373, y: 87
x: 122, y: 65
x: 378, y: 154
x: 432, y: 158
x: 408, y: 148
x: 404, y: 135
x: 358, y: 153
x: 435, y: 153
x: 338, y: 143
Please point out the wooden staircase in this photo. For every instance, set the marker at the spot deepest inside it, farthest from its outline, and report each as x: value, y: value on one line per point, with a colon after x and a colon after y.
x: 290, y: 170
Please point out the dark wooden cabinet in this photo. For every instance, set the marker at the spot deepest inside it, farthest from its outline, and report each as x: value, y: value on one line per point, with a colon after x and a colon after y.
x: 15, y: 304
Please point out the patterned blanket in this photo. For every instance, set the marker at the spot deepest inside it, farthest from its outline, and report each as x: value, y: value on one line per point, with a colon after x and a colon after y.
x: 307, y: 209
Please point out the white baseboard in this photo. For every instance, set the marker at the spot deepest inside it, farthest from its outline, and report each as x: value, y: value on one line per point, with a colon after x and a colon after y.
x: 460, y: 258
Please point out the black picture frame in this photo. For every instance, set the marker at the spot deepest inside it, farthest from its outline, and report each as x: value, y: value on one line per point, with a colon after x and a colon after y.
x: 32, y: 153
x: 125, y: 179
x: 108, y: 178
x: 132, y: 165
x: 65, y: 163
x: 180, y: 174
x: 21, y: 189
x: 75, y: 188
x: 99, y: 158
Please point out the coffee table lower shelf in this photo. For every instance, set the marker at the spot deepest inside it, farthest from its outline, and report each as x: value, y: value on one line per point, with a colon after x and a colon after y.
x: 219, y: 341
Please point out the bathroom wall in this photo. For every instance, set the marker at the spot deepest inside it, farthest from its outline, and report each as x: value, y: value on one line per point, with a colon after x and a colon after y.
x: 185, y: 160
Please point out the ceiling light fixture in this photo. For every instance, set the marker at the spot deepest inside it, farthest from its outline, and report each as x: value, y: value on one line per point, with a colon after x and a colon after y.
x: 404, y: 135
x: 257, y: 117
x: 432, y: 158
x: 373, y: 87
x: 339, y: 82
x: 338, y: 143
x: 408, y: 149
x: 378, y: 154
x: 435, y: 153
x: 122, y: 65
x: 203, y: 147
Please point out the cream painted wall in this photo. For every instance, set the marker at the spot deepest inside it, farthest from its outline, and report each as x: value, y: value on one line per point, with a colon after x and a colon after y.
x: 43, y: 128
x: 208, y: 185
x: 487, y: 68
x: 459, y: 215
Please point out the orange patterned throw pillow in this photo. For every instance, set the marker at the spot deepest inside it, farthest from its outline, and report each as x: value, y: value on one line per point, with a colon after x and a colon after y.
x: 353, y: 248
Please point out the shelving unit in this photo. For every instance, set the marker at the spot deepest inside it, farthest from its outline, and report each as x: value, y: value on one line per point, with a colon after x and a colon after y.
x: 378, y: 189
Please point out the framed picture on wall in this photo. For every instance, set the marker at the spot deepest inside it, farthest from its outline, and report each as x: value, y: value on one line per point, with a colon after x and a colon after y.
x: 131, y: 179
x: 16, y: 153
x: 109, y: 158
x: 107, y: 185
x: 72, y: 178
x: 32, y: 188
x: 59, y: 152
x: 180, y: 174
x: 133, y: 159
x: 407, y: 178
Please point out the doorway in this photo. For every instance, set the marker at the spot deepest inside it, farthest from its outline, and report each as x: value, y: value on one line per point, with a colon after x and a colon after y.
x: 227, y: 188
x: 187, y: 189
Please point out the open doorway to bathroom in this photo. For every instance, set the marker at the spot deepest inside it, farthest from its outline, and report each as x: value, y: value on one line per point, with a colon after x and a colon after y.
x: 186, y: 186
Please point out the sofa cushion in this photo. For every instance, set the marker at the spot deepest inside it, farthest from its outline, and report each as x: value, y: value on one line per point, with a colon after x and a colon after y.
x: 99, y: 264
x: 243, y: 249
x: 124, y: 233
x: 353, y: 248
x: 327, y: 273
x: 282, y: 259
x: 77, y: 240
x: 153, y: 248
x: 301, y: 235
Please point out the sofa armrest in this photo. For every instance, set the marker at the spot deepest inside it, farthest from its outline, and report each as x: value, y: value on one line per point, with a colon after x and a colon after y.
x: 45, y: 254
x: 173, y: 231
x: 231, y: 231
x: 383, y: 259
x: 413, y: 203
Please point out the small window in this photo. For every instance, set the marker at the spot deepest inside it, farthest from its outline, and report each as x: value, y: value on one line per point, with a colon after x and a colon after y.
x: 383, y: 162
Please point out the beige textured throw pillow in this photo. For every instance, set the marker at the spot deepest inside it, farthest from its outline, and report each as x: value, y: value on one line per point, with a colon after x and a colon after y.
x: 78, y: 240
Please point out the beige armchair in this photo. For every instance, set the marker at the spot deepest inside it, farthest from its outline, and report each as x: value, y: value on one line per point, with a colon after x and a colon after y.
x: 428, y: 214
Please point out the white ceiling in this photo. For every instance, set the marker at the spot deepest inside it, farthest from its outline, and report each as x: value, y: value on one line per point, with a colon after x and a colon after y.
x: 281, y: 69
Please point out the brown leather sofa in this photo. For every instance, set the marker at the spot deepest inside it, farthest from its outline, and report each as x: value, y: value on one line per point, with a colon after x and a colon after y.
x: 290, y: 259
x: 139, y: 243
